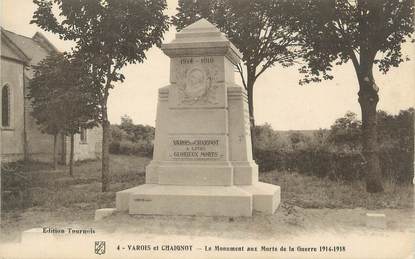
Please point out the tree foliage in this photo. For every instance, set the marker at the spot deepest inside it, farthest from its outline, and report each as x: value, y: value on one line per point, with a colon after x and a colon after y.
x: 367, y: 32
x: 46, y: 108
x: 137, y: 133
x: 397, y: 130
x: 266, y: 138
x: 132, y: 139
x: 346, y: 131
x: 298, y: 140
x: 394, y: 131
x: 108, y: 35
x: 337, y: 152
x: 61, y: 97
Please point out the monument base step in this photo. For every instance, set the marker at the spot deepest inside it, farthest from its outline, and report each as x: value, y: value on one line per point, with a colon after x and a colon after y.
x: 232, y: 201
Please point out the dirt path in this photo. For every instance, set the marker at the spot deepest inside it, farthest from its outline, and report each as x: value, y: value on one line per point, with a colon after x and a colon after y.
x: 287, y: 221
x: 290, y: 227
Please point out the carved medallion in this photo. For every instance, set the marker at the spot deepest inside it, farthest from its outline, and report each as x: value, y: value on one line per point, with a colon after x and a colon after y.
x: 197, y: 85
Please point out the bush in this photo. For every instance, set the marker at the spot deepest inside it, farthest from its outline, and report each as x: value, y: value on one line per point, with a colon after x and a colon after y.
x: 14, y: 186
x: 336, y: 153
x: 131, y: 139
x: 126, y: 147
x: 397, y: 165
x: 344, y: 166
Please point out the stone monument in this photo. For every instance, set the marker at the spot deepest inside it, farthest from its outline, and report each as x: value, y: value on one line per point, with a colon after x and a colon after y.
x: 202, y: 162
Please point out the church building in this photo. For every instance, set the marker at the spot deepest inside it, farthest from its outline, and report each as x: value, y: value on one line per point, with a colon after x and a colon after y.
x: 21, y: 138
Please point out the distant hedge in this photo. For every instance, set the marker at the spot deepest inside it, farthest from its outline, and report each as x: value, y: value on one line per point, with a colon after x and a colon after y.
x: 396, y: 165
x: 131, y: 148
x: 336, y: 152
x: 131, y: 139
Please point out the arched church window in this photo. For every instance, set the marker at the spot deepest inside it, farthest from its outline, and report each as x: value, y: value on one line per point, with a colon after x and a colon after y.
x: 5, y: 106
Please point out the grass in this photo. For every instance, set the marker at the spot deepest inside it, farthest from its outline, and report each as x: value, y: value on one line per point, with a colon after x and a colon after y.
x: 313, y: 192
x: 27, y: 185
x: 44, y: 187
x: 33, y: 193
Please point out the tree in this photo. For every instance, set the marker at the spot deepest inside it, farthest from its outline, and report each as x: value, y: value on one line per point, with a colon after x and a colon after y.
x: 320, y: 138
x: 78, y: 101
x: 367, y: 32
x: 127, y: 124
x: 346, y: 131
x: 258, y: 29
x: 61, y: 99
x: 45, y: 108
x: 406, y: 119
x: 267, y: 138
x: 298, y: 140
x: 109, y: 34
x: 396, y: 130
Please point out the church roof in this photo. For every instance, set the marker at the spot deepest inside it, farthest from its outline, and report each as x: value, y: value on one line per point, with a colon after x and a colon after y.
x: 35, y: 48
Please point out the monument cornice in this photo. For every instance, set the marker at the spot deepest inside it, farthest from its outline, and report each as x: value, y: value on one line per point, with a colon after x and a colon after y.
x: 201, y: 39
x: 191, y: 49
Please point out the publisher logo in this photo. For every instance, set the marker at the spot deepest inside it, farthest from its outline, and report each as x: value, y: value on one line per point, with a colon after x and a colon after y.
x: 100, y: 247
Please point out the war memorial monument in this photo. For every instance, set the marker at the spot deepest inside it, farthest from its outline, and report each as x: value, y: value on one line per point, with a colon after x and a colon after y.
x: 202, y: 162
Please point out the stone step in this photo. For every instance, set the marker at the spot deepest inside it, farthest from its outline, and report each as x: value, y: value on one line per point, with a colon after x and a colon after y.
x: 191, y: 200
x: 232, y: 201
x: 266, y: 197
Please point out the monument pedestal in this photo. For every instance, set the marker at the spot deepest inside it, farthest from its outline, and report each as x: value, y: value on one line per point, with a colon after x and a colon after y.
x: 202, y: 161
x: 232, y: 201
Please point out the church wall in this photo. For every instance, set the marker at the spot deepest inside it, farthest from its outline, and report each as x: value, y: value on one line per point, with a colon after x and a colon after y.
x: 12, y: 137
x: 23, y: 136
x: 91, y: 149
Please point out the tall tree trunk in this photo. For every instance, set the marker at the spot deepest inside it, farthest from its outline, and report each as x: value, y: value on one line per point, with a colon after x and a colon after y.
x: 250, y: 92
x: 250, y: 81
x: 55, y: 149
x: 63, y: 150
x: 71, y: 155
x: 368, y: 100
x: 105, y: 154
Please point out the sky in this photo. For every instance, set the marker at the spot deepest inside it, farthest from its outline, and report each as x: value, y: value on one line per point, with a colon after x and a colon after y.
x: 278, y: 99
